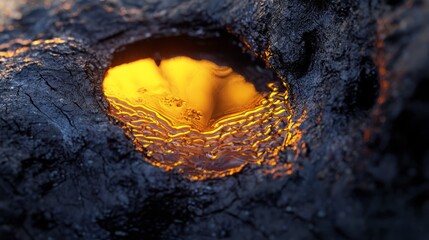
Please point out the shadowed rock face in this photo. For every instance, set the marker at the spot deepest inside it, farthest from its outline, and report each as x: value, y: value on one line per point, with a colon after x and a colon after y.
x: 358, y: 76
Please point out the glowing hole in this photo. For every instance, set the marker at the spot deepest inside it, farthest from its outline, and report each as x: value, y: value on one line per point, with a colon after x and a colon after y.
x: 186, y: 92
x: 194, y: 116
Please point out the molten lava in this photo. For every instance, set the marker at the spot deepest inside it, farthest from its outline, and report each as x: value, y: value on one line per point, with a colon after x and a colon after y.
x: 185, y: 91
x: 194, y: 116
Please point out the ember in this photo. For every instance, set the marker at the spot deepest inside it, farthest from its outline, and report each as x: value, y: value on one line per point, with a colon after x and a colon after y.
x: 197, y: 117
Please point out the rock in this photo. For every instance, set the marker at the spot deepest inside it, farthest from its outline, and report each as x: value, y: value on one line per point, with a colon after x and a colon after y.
x: 358, y: 75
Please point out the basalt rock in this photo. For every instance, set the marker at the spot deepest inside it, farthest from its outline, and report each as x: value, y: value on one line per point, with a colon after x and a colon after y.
x: 358, y: 76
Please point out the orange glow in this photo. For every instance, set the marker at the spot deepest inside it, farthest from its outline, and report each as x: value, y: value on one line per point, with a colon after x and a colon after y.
x: 25, y: 45
x: 385, y: 85
x: 293, y: 142
x: 48, y: 41
x: 10, y: 54
x: 187, y: 92
x: 15, y: 54
x: 196, y: 117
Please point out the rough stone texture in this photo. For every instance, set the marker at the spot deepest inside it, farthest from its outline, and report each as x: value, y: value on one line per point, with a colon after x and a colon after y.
x: 67, y: 171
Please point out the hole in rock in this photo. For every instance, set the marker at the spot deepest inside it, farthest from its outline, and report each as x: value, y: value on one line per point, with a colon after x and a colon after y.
x: 202, y: 107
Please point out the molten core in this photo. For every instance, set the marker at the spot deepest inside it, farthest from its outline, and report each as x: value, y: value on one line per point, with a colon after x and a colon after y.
x: 194, y: 116
x: 185, y: 91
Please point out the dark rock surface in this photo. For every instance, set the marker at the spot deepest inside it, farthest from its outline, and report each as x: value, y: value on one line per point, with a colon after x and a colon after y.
x: 358, y: 70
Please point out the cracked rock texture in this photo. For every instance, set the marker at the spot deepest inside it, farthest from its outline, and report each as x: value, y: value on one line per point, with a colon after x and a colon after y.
x: 358, y: 72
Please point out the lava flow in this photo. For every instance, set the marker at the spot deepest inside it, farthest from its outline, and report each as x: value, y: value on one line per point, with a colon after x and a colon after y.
x: 196, y: 117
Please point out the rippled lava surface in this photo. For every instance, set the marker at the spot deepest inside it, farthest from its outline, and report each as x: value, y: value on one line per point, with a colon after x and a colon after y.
x: 176, y: 132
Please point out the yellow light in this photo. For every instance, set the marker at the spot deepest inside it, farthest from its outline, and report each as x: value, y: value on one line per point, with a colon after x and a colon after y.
x: 194, y: 116
x: 185, y: 91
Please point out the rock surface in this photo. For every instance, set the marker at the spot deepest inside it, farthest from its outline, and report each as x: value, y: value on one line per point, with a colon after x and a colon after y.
x: 358, y: 72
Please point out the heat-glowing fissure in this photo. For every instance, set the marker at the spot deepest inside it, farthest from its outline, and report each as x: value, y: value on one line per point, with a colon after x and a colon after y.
x: 194, y: 116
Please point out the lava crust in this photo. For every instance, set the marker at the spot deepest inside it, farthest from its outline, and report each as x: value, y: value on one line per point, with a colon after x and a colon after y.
x: 357, y: 76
